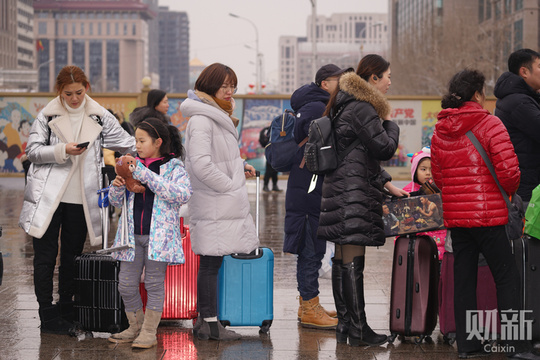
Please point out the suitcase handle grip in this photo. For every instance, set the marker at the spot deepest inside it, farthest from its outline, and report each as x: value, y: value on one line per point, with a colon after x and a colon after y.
x: 255, y: 254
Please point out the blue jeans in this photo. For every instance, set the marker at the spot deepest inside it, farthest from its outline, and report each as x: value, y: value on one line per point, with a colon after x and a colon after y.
x: 308, y: 264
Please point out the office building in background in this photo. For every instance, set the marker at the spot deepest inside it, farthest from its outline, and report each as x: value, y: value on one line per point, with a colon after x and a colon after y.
x: 341, y: 39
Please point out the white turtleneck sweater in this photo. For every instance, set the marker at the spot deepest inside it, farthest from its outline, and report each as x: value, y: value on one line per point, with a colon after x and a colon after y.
x: 73, y: 193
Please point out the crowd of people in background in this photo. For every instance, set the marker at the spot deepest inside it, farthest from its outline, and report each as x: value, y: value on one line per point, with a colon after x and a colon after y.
x: 344, y: 207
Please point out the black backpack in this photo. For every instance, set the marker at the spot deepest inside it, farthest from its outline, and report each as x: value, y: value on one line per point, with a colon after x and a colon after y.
x: 321, y: 156
x: 264, y: 136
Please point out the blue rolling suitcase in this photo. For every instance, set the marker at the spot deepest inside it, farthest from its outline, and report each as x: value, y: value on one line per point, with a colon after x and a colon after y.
x: 246, y: 286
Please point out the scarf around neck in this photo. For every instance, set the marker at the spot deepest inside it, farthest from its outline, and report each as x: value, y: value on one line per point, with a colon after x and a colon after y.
x: 225, y: 106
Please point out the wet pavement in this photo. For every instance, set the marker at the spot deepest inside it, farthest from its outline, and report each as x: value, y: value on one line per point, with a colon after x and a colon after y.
x: 20, y: 336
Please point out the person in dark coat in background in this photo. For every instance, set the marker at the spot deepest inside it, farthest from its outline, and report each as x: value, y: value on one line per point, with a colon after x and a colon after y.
x: 157, y: 105
x: 270, y: 172
x: 519, y: 109
x: 303, y: 200
x: 351, y: 206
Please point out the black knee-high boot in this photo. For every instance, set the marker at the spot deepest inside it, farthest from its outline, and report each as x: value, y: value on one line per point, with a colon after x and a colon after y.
x: 342, y: 328
x: 353, y: 291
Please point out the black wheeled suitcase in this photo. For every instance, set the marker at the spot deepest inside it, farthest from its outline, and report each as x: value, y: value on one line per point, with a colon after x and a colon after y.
x: 98, y: 304
x: 527, y: 254
x: 413, y: 296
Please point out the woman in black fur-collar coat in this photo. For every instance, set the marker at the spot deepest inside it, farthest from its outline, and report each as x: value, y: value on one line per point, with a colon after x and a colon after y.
x: 351, y: 207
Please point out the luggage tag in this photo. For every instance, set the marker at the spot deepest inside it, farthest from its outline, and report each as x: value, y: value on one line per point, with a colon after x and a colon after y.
x: 313, y: 183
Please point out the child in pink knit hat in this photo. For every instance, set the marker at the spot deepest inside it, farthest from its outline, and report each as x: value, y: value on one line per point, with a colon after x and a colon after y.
x: 420, y: 173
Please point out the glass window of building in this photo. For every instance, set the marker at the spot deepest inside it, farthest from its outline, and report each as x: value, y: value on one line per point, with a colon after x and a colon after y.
x: 43, y: 75
x: 108, y: 29
x: 42, y: 27
x: 113, y: 65
x: 60, y: 54
x: 78, y: 55
x: 518, y: 5
x: 134, y: 30
x: 518, y: 35
x: 90, y: 28
x: 95, y: 65
x: 74, y: 28
x: 82, y: 28
x: 116, y: 29
x: 125, y: 29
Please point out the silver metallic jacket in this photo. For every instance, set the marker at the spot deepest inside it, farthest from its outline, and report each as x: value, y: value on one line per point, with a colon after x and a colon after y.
x: 51, y: 169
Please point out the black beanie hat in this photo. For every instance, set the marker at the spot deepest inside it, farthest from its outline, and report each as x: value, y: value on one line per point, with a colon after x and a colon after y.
x: 154, y: 98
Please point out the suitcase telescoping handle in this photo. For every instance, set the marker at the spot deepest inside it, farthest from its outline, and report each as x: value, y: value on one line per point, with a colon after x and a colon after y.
x: 257, y: 253
x: 124, y: 235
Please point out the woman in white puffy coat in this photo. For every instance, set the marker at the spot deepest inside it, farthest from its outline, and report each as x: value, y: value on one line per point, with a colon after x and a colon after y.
x: 220, y: 221
x: 61, y: 189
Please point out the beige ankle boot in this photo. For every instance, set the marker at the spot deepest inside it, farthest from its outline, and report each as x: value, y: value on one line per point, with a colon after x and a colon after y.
x: 135, y: 320
x: 147, y: 337
x: 330, y: 313
x: 314, y: 316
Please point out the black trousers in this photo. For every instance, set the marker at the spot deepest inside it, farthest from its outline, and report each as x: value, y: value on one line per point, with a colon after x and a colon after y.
x: 69, y: 218
x: 493, y: 243
x: 207, y: 295
x: 270, y: 173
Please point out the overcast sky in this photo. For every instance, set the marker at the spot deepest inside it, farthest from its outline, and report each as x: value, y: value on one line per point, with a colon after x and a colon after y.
x: 217, y: 37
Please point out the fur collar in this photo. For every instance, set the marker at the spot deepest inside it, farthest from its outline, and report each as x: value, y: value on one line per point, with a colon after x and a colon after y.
x: 354, y: 85
x: 55, y: 107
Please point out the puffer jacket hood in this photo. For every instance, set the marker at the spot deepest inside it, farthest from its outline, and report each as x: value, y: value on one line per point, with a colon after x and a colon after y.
x: 459, y: 121
x: 510, y: 83
x: 307, y: 94
x: 471, y: 198
x: 220, y: 219
x: 351, y: 207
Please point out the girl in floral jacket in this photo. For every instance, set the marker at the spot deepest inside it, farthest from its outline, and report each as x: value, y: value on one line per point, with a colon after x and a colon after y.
x: 153, y: 227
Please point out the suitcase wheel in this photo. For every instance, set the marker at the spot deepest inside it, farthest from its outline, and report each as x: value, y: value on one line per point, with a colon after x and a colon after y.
x: 225, y: 323
x: 391, y: 338
x: 450, y: 339
x: 418, y: 339
x: 265, y: 327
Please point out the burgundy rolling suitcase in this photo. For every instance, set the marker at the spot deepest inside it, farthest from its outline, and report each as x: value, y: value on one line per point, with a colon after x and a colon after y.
x: 527, y: 254
x: 180, y: 284
x: 413, y: 298
x: 486, y: 296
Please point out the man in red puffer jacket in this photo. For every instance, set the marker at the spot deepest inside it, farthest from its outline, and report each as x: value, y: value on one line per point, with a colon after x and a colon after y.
x: 474, y: 209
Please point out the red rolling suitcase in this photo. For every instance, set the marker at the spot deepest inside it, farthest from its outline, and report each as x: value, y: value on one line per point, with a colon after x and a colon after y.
x: 486, y: 296
x: 180, y: 284
x: 413, y: 298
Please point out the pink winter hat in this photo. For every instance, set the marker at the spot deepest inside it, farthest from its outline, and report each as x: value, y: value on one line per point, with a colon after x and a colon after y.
x: 417, y: 157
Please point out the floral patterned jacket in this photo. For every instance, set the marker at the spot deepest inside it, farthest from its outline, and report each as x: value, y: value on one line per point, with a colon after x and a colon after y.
x: 172, y: 188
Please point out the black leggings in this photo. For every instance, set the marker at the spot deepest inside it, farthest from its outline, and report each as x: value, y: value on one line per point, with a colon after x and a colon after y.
x: 207, y: 285
x: 348, y: 252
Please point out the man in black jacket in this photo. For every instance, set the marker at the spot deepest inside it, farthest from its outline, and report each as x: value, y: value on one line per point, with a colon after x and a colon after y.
x: 303, y: 201
x: 519, y: 109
